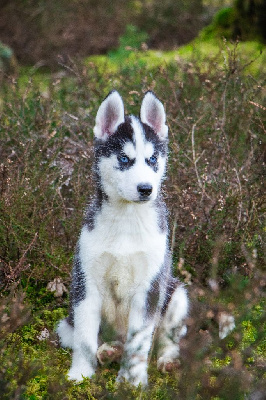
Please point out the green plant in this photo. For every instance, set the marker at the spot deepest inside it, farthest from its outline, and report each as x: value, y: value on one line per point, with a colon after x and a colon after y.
x: 132, y: 40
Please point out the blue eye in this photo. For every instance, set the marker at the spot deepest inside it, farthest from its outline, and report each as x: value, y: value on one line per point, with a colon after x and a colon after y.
x: 123, y: 159
x: 153, y: 160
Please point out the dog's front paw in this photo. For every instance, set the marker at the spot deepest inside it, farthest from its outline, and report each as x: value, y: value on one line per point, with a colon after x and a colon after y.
x: 110, y: 352
x: 167, y: 364
x: 78, y: 373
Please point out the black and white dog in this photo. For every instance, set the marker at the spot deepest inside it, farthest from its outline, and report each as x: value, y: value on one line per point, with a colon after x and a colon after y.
x: 122, y: 269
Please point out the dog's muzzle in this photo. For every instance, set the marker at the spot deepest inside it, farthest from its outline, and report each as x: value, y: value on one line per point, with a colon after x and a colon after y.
x: 144, y: 190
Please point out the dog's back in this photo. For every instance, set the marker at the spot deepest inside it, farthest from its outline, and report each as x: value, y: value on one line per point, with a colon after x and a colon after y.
x: 122, y: 269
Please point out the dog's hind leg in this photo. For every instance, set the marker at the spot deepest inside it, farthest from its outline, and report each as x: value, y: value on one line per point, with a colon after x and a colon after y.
x: 172, y: 327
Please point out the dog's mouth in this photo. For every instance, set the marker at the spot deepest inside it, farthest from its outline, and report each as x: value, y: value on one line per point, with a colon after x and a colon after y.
x: 143, y: 200
x: 139, y: 200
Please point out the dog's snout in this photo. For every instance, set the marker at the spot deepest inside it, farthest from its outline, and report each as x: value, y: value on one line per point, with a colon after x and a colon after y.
x: 144, y: 189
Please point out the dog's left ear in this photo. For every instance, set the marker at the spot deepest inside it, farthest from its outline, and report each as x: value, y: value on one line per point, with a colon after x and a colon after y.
x: 152, y: 113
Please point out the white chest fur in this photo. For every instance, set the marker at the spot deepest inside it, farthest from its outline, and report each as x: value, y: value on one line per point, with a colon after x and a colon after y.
x: 125, y: 247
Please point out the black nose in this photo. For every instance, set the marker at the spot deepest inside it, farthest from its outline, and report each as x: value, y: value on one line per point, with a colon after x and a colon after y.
x: 144, y: 189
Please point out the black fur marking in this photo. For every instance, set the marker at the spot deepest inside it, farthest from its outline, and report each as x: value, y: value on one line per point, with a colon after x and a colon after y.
x: 162, y: 214
x: 93, y: 209
x: 170, y: 288
x: 70, y: 317
x: 160, y: 145
x: 78, y: 287
x: 125, y: 166
x: 115, y: 143
x: 153, y: 297
x: 161, y: 283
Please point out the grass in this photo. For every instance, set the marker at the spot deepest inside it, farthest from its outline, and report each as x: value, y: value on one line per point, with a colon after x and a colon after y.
x: 214, y: 192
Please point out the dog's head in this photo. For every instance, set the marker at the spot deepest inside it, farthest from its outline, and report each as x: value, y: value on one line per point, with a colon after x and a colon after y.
x: 130, y: 152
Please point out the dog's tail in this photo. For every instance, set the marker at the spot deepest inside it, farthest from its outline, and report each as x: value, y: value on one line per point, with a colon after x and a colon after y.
x: 66, y: 333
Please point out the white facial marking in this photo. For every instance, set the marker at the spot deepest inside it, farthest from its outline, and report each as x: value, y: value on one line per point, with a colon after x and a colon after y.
x: 130, y: 150
x: 144, y: 149
x: 149, y: 150
x: 139, y: 137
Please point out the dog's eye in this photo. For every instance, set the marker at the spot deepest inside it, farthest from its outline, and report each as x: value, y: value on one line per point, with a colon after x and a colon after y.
x: 153, y: 160
x: 123, y: 159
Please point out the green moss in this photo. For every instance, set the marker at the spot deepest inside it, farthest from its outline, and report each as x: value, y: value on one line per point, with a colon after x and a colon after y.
x: 221, y: 26
x: 249, y: 334
x: 219, y: 363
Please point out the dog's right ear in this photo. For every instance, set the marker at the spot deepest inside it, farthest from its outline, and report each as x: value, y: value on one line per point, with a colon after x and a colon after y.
x: 109, y: 116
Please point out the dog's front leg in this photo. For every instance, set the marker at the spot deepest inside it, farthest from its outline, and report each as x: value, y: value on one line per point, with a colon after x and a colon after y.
x: 87, y: 315
x: 139, y: 338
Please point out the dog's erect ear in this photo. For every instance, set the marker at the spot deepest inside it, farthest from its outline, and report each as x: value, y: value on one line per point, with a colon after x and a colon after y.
x: 109, y: 116
x: 152, y: 113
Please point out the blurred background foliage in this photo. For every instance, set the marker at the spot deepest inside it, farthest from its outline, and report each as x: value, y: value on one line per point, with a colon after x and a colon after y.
x: 39, y: 31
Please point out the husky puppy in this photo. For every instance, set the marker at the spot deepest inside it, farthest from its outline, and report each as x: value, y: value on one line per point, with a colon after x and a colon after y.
x: 122, y: 266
